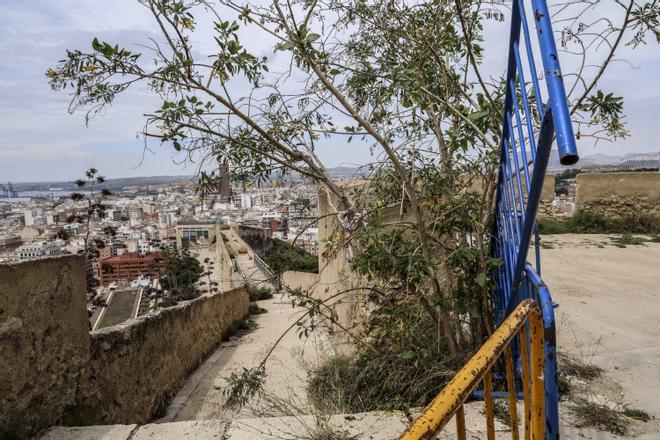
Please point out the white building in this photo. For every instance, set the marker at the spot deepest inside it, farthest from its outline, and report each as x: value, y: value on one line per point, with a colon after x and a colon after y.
x: 29, y: 216
x: 42, y: 249
x: 246, y: 201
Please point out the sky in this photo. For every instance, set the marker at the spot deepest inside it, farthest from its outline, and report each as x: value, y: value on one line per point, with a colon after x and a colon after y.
x: 41, y: 141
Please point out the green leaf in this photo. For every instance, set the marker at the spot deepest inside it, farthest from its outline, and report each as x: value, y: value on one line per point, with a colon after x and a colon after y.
x: 285, y: 46
x: 481, y: 279
x: 407, y: 354
x: 313, y: 37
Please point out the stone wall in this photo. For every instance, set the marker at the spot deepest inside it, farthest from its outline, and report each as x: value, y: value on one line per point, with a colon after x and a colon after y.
x: 300, y: 280
x: 44, y: 342
x: 351, y: 309
x: 136, y: 367
x: 54, y: 371
x: 615, y: 194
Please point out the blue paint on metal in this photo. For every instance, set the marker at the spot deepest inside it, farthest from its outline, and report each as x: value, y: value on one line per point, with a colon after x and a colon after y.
x: 529, y: 124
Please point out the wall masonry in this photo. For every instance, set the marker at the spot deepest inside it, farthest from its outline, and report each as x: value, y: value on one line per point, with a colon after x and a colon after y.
x: 616, y: 194
x: 56, y: 371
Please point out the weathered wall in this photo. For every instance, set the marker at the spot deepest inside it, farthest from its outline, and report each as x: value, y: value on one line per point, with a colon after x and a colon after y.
x: 44, y: 342
x: 351, y: 309
x: 260, y: 239
x: 223, y: 267
x: 547, y: 193
x: 618, y: 193
x: 300, y: 280
x: 136, y: 367
x: 52, y: 370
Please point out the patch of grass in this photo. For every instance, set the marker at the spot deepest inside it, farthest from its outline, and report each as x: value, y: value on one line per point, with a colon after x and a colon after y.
x: 628, y: 239
x: 254, y: 309
x: 577, y: 368
x: 246, y: 323
x: 501, y: 411
x: 282, y: 256
x: 599, y: 416
x: 324, y: 431
x: 636, y: 413
x: 564, y: 384
x: 655, y: 238
x: 586, y: 221
x: 259, y: 293
x: 120, y: 308
x: 548, y: 225
x: 240, y: 325
x: 375, y: 382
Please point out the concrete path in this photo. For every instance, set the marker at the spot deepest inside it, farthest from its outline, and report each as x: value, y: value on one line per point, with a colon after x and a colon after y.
x: 609, y: 314
x: 253, y: 272
x: 202, y: 398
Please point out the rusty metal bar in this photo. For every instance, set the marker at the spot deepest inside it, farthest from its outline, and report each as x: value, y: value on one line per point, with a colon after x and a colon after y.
x: 511, y: 390
x: 461, y: 433
x: 490, y: 410
x: 446, y: 404
x: 538, y: 386
x: 527, y: 398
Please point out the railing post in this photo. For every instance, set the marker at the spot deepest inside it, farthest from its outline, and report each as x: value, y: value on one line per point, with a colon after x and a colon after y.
x: 557, y: 101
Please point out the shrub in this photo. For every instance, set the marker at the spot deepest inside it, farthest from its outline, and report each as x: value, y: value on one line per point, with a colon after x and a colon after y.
x: 587, y: 221
x: 283, y: 256
x: 259, y: 293
x: 254, y: 309
x: 372, y: 382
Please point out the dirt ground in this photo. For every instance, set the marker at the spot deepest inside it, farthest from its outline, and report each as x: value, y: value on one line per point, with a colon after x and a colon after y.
x: 609, y: 315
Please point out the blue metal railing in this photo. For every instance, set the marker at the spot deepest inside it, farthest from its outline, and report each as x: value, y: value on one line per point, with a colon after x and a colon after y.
x: 529, y: 127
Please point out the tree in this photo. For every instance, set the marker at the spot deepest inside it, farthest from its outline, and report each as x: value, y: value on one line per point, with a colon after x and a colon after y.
x: 181, y: 273
x: 404, y: 80
x: 208, y: 271
x: 94, y: 208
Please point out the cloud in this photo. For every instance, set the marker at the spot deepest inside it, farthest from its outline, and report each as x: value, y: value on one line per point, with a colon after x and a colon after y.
x: 39, y: 140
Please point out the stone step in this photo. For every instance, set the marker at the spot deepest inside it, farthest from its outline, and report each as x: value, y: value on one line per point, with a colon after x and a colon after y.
x: 372, y: 426
x: 362, y: 426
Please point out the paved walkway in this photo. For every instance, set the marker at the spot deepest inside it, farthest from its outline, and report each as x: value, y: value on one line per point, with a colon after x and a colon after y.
x: 201, y: 398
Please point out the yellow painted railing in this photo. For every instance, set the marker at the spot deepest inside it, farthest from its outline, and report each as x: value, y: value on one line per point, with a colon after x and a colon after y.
x: 477, y: 370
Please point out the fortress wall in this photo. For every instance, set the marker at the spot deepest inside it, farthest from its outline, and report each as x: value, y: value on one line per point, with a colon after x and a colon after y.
x: 136, y: 367
x: 44, y: 342
x: 618, y: 193
x: 54, y: 371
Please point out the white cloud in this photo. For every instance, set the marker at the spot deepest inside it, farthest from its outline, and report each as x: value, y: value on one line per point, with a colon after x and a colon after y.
x: 39, y: 140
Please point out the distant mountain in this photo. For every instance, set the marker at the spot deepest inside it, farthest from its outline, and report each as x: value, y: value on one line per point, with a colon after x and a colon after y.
x: 336, y: 172
x: 641, y: 156
x: 639, y: 159
x: 109, y: 183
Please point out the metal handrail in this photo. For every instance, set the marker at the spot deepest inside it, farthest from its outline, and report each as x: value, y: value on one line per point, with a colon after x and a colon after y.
x: 449, y: 402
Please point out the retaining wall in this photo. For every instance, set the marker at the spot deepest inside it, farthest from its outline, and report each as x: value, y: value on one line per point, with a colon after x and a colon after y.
x: 618, y: 193
x: 135, y: 368
x: 300, y: 280
x: 55, y: 371
x: 44, y: 342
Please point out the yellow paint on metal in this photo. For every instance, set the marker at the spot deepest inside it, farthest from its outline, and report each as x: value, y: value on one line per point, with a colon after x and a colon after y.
x: 490, y: 410
x: 511, y: 391
x: 538, y: 388
x: 527, y: 398
x: 438, y: 413
x: 460, y: 424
